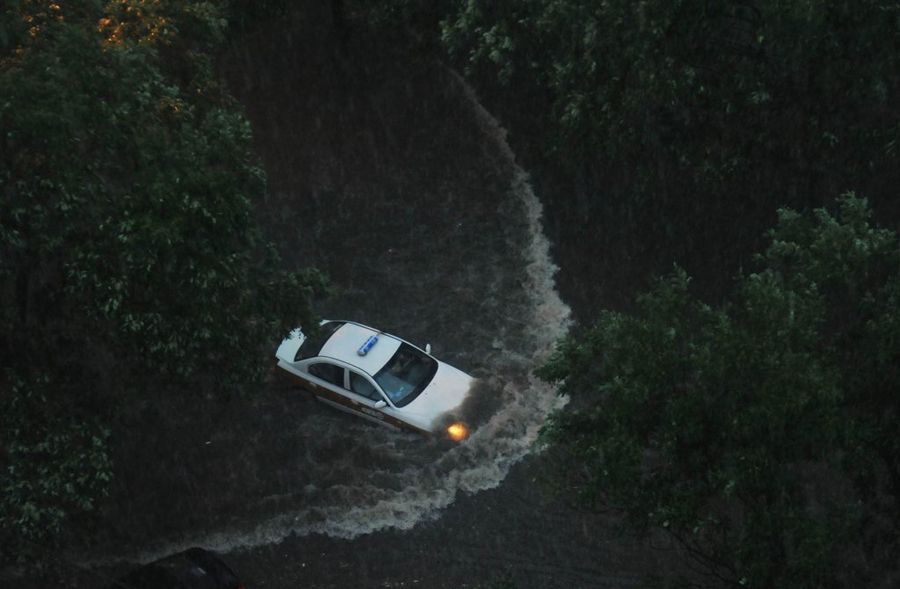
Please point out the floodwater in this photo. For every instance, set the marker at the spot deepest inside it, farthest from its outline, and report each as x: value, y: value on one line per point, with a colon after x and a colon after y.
x: 434, y: 236
x: 395, y: 181
x: 478, y: 286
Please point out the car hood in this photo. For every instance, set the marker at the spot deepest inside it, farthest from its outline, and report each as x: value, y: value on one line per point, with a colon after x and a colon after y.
x: 445, y: 393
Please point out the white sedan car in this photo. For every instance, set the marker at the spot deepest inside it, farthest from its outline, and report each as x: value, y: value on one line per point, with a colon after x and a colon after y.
x: 378, y: 377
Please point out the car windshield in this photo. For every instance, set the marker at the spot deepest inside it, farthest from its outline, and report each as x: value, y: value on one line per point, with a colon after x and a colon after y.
x: 406, y: 374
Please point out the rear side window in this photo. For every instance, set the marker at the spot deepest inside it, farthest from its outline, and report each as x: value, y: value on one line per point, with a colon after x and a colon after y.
x: 314, y: 342
x: 328, y: 372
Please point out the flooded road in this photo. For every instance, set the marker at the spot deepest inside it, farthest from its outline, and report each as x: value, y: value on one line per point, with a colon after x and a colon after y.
x: 391, y: 178
x: 465, y: 268
x: 434, y: 236
x: 456, y: 259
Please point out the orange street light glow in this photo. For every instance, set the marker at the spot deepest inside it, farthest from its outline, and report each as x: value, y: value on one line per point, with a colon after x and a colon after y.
x: 458, y: 432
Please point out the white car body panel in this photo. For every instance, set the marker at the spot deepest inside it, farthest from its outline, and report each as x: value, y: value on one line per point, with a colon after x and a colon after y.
x: 358, y: 413
x: 289, y: 346
x: 446, y: 391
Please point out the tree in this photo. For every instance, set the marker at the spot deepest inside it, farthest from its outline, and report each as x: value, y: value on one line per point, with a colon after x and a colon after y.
x: 690, y: 121
x: 709, y: 86
x: 130, y: 260
x: 741, y: 429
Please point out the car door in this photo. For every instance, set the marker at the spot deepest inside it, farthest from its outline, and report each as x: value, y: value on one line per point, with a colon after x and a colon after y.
x: 368, y: 398
x: 328, y: 377
x: 337, y: 392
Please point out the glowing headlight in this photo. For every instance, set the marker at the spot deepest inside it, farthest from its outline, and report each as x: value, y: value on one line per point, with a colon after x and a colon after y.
x: 458, y: 431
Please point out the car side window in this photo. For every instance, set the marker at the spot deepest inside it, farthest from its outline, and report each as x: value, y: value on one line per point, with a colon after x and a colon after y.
x: 328, y: 372
x: 362, y: 386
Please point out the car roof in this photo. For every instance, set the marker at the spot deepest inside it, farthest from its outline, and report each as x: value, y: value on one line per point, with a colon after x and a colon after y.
x: 344, y: 343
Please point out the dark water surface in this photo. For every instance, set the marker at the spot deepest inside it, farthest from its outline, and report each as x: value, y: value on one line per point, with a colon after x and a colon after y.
x: 391, y: 178
x: 433, y: 236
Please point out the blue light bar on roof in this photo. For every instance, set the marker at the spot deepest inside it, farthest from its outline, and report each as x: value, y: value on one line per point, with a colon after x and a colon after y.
x: 364, y: 349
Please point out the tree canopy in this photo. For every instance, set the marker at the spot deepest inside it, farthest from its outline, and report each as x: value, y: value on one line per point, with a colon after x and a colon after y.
x: 760, y: 433
x: 130, y: 259
x: 713, y: 87
x: 689, y: 121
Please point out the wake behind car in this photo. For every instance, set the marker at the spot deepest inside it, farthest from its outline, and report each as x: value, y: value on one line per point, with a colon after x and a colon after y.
x: 378, y: 377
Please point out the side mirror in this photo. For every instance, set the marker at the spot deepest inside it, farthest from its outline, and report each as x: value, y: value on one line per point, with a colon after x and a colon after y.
x: 380, y: 404
x: 427, y: 348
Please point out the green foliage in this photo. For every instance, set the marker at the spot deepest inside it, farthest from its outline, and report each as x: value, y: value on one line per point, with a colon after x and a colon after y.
x: 247, y: 14
x: 130, y: 260
x: 712, y: 86
x: 855, y: 266
x: 12, y: 28
x: 408, y: 27
x: 56, y: 465
x: 673, y: 128
x: 739, y: 429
